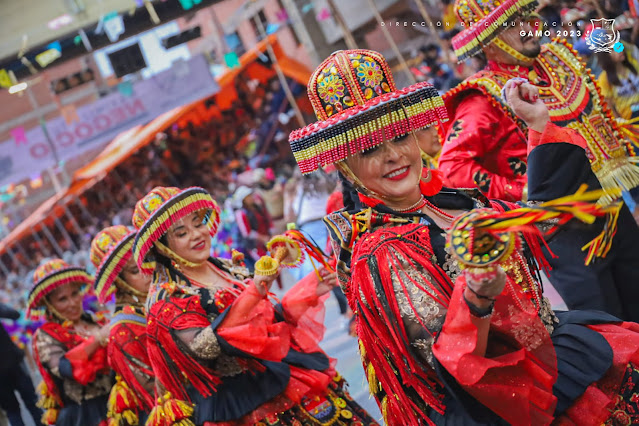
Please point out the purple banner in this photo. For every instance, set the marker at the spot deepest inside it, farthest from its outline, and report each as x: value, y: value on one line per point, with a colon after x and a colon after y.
x: 99, y: 122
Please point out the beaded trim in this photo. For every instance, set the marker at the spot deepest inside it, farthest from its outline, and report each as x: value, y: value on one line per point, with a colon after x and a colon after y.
x: 111, y: 266
x: 359, y: 128
x: 481, y: 33
x: 131, y: 316
x: 175, y: 208
x: 582, y: 108
x: 49, y: 283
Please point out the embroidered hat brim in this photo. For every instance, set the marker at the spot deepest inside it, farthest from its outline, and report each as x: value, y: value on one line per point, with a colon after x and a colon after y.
x: 175, y: 208
x: 362, y: 127
x: 111, y: 266
x: 51, y: 282
x: 473, y: 38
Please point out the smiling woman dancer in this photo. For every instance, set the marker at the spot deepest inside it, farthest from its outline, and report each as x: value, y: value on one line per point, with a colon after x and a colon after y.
x: 131, y: 398
x: 222, y: 353
x: 442, y: 346
x: 69, y: 348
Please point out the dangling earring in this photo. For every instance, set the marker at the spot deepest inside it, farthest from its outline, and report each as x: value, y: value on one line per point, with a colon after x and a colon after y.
x: 431, y: 182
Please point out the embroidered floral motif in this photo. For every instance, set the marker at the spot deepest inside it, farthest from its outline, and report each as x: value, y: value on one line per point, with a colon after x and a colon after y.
x: 455, y: 130
x: 528, y: 337
x: 205, y: 344
x: 517, y: 166
x: 152, y: 202
x: 425, y: 346
x: 482, y: 180
x: 331, y: 89
x: 626, y: 411
x: 421, y: 307
x: 451, y: 266
x: 369, y: 74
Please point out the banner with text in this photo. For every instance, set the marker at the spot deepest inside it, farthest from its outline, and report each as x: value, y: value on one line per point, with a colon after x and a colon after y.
x: 96, y: 124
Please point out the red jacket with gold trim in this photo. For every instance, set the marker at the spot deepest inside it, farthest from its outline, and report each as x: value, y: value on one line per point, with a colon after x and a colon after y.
x: 485, y: 143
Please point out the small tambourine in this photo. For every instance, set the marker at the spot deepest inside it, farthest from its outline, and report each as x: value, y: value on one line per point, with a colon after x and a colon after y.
x: 476, y: 248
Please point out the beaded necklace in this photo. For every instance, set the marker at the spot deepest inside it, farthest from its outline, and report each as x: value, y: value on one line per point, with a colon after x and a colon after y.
x: 233, y: 283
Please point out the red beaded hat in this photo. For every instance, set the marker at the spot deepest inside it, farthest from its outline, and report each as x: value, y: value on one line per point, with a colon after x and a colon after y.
x: 49, y: 276
x: 162, y: 207
x: 484, y: 20
x: 359, y: 107
x: 110, y: 251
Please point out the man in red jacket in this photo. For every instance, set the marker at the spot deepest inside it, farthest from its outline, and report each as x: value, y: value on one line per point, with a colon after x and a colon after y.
x: 485, y: 146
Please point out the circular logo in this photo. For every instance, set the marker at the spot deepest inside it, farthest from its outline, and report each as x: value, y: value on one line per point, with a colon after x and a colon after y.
x: 618, y: 47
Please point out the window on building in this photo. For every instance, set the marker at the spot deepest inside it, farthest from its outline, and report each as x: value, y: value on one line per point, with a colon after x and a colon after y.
x: 262, y: 17
x: 234, y: 43
x: 284, y: 12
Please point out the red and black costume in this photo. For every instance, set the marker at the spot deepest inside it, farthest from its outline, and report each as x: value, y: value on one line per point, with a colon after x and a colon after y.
x: 129, y: 359
x: 418, y: 340
x: 76, y: 386
x: 485, y: 146
x: 131, y: 397
x: 76, y: 378
x: 226, y: 354
x: 241, y: 360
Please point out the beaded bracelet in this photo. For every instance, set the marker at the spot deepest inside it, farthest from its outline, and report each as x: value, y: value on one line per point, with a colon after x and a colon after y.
x: 479, y: 312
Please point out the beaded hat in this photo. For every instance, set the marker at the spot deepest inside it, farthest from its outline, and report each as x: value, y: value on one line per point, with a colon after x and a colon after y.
x: 49, y: 276
x: 484, y: 20
x: 162, y: 207
x: 110, y: 251
x: 359, y: 107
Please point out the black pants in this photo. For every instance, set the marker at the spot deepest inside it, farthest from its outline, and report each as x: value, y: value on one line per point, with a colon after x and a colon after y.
x: 610, y: 284
x: 18, y: 379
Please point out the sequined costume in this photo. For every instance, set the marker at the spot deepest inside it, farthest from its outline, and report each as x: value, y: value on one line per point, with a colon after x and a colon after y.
x: 228, y: 355
x: 417, y: 338
x: 485, y: 146
x: 75, y: 386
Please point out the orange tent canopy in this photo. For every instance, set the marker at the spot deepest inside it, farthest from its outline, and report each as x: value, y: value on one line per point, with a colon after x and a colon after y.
x: 130, y: 141
x: 37, y: 219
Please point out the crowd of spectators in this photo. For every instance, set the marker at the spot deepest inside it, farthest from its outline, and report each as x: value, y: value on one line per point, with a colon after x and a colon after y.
x: 219, y: 152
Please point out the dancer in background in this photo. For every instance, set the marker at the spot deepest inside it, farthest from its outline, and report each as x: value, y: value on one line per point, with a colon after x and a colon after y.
x: 131, y: 398
x: 69, y: 349
x: 221, y: 351
x: 486, y: 146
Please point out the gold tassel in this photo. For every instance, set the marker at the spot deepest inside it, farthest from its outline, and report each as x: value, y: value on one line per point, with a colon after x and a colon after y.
x: 156, y: 416
x: 385, y: 409
x: 362, y: 350
x: 50, y: 416
x: 372, y: 379
x: 177, y: 412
